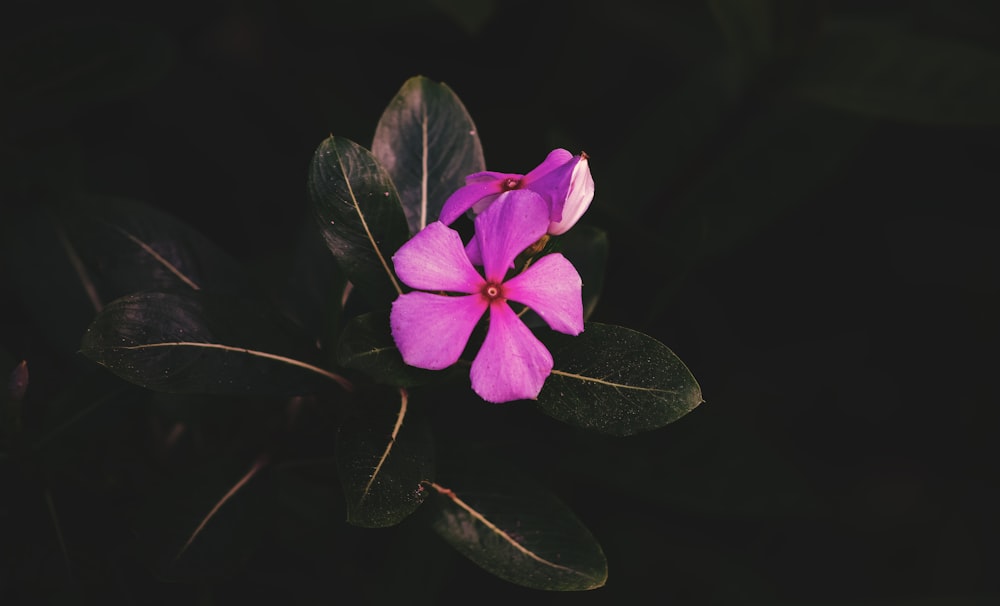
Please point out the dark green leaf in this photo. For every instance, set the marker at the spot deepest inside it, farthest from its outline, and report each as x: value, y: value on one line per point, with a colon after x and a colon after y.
x: 207, y: 523
x: 427, y: 142
x: 383, y: 455
x: 90, y: 250
x: 616, y: 380
x: 519, y: 532
x: 887, y: 73
x: 359, y: 216
x: 129, y: 246
x: 196, y: 343
x: 316, y: 290
x: 366, y: 344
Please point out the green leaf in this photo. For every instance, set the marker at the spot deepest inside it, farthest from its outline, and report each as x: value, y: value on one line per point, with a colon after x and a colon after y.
x: 366, y: 344
x: 427, y: 142
x: 89, y: 250
x: 196, y: 343
x: 886, y: 73
x: 316, y: 291
x: 518, y: 532
x: 383, y: 455
x: 206, y: 523
x: 617, y: 381
x: 130, y: 246
x: 359, y: 215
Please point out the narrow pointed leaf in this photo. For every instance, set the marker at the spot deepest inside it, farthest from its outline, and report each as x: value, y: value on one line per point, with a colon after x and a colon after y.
x: 518, y: 532
x: 617, y: 381
x: 46, y: 271
x: 383, y: 455
x: 359, y: 215
x: 206, y: 523
x: 366, y: 344
x: 196, y: 343
x: 427, y: 142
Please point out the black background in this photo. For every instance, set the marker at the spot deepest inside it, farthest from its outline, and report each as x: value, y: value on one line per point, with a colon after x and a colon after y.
x: 845, y: 343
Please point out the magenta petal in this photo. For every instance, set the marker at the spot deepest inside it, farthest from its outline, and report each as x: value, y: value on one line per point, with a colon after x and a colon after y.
x: 552, y: 288
x: 488, y: 175
x: 578, y: 197
x: 513, y: 363
x: 434, y: 259
x: 555, y: 159
x: 514, y: 222
x: 466, y: 196
x: 432, y: 330
x: 472, y: 251
x: 554, y: 187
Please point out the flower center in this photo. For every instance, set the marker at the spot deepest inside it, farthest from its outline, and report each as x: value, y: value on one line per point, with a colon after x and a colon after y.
x: 511, y: 183
x: 493, y: 291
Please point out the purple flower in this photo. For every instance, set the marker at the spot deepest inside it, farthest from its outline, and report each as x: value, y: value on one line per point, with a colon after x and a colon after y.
x: 431, y: 330
x: 562, y: 180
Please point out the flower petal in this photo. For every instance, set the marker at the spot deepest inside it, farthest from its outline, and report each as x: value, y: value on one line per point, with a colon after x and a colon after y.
x: 489, y: 175
x: 466, y: 196
x: 552, y: 288
x: 554, y: 160
x: 432, y: 330
x: 514, y: 222
x: 434, y: 259
x: 513, y: 363
x: 472, y: 251
x: 580, y: 193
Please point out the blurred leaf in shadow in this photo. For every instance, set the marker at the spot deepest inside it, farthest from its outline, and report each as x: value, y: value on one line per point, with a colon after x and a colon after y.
x: 883, y: 71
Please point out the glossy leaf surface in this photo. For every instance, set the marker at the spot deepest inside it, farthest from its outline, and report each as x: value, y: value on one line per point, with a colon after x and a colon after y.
x: 616, y: 380
x: 359, y: 215
x: 428, y: 143
x: 383, y: 455
x: 194, y: 343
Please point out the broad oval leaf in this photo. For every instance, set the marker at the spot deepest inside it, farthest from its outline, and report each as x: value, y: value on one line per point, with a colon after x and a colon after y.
x: 617, y: 381
x: 366, y: 344
x: 883, y: 72
x: 357, y: 207
x: 518, y: 532
x: 428, y: 143
x: 383, y: 455
x: 200, y: 344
